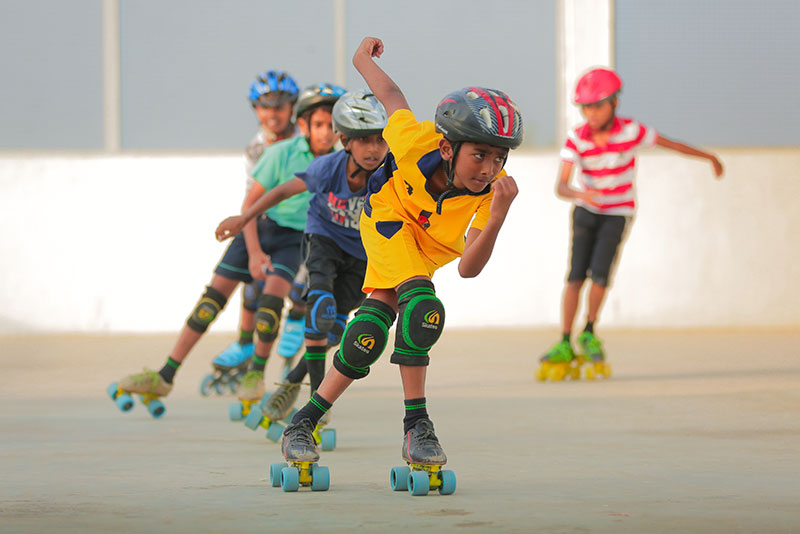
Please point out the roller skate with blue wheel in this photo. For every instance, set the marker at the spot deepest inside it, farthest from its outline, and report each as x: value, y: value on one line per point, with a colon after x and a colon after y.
x: 148, y: 385
x: 559, y: 363
x: 279, y: 405
x: 425, y: 458
x: 251, y: 391
x: 593, y: 358
x: 325, y: 437
x: 301, y: 467
x: 230, y: 366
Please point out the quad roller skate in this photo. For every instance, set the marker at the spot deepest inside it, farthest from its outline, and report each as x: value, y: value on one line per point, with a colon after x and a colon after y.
x: 425, y: 458
x: 229, y: 367
x: 301, y: 467
x: 148, y: 384
x: 273, y: 408
x: 559, y: 363
x: 251, y: 391
x: 593, y: 360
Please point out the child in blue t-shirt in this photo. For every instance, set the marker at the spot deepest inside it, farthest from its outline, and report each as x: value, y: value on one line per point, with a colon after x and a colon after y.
x: 335, y: 258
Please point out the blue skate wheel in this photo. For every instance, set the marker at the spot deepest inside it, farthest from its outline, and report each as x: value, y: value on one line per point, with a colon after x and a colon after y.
x: 112, y: 390
x: 320, y: 478
x: 289, y: 417
x: 156, y: 408
x: 275, y: 473
x: 419, y: 483
x: 205, y: 385
x: 398, y: 478
x: 290, y: 479
x: 328, y: 439
x: 448, y: 486
x: 254, y: 418
x: 219, y: 388
x: 235, y: 411
x: 274, y: 432
x: 233, y: 385
x: 124, y: 402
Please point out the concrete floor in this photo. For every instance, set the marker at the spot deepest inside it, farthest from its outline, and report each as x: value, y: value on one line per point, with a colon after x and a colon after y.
x: 696, y: 432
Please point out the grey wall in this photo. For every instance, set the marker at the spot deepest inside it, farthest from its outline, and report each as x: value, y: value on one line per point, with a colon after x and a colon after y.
x: 712, y: 72
x: 186, y: 65
x: 50, y: 74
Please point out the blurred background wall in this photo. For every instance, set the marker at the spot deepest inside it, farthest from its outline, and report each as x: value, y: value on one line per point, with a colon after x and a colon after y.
x: 123, y: 124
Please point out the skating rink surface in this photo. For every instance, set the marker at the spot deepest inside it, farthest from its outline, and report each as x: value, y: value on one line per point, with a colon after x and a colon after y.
x: 697, y: 431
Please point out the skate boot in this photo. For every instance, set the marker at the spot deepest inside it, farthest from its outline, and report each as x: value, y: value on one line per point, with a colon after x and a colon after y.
x: 250, y: 392
x: 301, y: 453
x: 558, y: 363
x: 325, y: 437
x: 425, y: 458
x: 148, y: 384
x: 292, y: 337
x: 272, y: 409
x: 593, y: 357
x: 230, y: 365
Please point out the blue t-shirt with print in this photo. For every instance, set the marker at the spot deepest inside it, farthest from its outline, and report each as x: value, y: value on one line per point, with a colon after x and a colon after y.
x: 334, y: 209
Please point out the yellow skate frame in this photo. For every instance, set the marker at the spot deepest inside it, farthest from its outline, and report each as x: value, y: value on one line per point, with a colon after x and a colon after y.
x: 433, y: 473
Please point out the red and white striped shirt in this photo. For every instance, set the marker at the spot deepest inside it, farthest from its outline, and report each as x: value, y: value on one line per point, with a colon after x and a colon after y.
x: 610, y: 169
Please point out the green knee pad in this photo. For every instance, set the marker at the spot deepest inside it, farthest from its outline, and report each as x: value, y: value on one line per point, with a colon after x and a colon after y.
x: 207, y: 309
x: 364, y: 339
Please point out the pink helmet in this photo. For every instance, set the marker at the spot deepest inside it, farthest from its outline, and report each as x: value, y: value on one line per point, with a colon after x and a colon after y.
x: 597, y: 85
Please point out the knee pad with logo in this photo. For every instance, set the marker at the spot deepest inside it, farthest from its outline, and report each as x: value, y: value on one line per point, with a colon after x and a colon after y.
x: 421, y: 320
x: 268, y: 317
x: 364, y: 339
x: 320, y: 313
x: 206, y: 310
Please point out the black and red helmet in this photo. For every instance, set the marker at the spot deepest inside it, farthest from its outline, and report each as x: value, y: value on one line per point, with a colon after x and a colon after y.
x: 480, y: 115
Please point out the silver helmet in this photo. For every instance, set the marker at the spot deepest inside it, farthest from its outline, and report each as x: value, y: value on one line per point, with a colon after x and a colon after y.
x: 358, y: 114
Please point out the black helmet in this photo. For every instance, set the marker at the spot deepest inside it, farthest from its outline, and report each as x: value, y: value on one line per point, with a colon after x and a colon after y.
x: 317, y: 95
x: 480, y: 115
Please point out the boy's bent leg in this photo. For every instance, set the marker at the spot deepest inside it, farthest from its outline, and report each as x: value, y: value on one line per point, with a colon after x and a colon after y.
x: 421, y: 321
x: 203, y: 314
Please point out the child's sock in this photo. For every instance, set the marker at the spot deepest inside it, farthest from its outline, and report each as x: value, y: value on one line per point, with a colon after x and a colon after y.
x: 566, y: 337
x: 258, y: 363
x: 415, y: 410
x: 315, y: 363
x: 245, y: 337
x: 314, y: 410
x: 589, y: 327
x: 168, y: 371
x: 297, y: 374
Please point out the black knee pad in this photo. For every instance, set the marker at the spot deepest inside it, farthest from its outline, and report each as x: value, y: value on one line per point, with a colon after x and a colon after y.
x: 297, y: 293
x: 335, y: 334
x: 364, y: 339
x: 320, y: 313
x: 250, y: 293
x: 420, y: 325
x: 209, y: 305
x: 268, y: 317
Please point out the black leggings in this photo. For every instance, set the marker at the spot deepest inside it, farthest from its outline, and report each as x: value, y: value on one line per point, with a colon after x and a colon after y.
x: 595, y: 245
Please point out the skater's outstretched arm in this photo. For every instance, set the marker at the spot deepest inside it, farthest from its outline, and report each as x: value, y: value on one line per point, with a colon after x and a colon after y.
x: 233, y: 225
x: 480, y: 243
x: 691, y: 151
x: 382, y: 86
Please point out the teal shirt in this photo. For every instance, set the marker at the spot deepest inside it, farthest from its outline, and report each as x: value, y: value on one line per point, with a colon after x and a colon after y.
x: 276, y: 166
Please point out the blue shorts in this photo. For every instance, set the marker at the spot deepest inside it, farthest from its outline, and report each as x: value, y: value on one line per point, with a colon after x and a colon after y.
x: 281, y: 244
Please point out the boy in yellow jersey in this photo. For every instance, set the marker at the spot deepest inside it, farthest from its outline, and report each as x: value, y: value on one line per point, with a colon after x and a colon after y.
x: 438, y: 183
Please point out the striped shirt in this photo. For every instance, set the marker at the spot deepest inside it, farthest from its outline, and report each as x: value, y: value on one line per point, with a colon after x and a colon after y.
x: 610, y: 169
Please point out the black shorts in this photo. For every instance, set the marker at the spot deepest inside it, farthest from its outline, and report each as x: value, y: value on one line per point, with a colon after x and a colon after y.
x: 332, y: 269
x: 280, y: 243
x: 595, y: 244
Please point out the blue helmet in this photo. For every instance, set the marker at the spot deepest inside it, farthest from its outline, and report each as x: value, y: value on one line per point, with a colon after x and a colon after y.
x: 317, y: 95
x: 273, y: 88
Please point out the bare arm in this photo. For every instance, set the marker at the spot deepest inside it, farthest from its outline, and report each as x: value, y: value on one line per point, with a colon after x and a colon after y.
x: 382, y: 86
x: 258, y: 261
x: 233, y: 225
x: 480, y: 243
x: 691, y: 151
x: 567, y: 192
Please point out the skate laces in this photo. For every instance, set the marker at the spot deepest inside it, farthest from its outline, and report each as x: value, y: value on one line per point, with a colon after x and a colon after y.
x: 302, y: 433
x: 282, y: 395
x: 591, y: 343
x: 146, y: 377
x: 424, y: 433
x: 561, y: 352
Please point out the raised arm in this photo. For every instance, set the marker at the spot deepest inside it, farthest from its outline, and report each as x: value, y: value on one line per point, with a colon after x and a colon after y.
x: 233, y: 225
x: 382, y: 86
x: 691, y: 151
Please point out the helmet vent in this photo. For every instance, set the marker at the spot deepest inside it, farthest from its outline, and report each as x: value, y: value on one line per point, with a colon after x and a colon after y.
x: 472, y: 94
x: 486, y: 117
